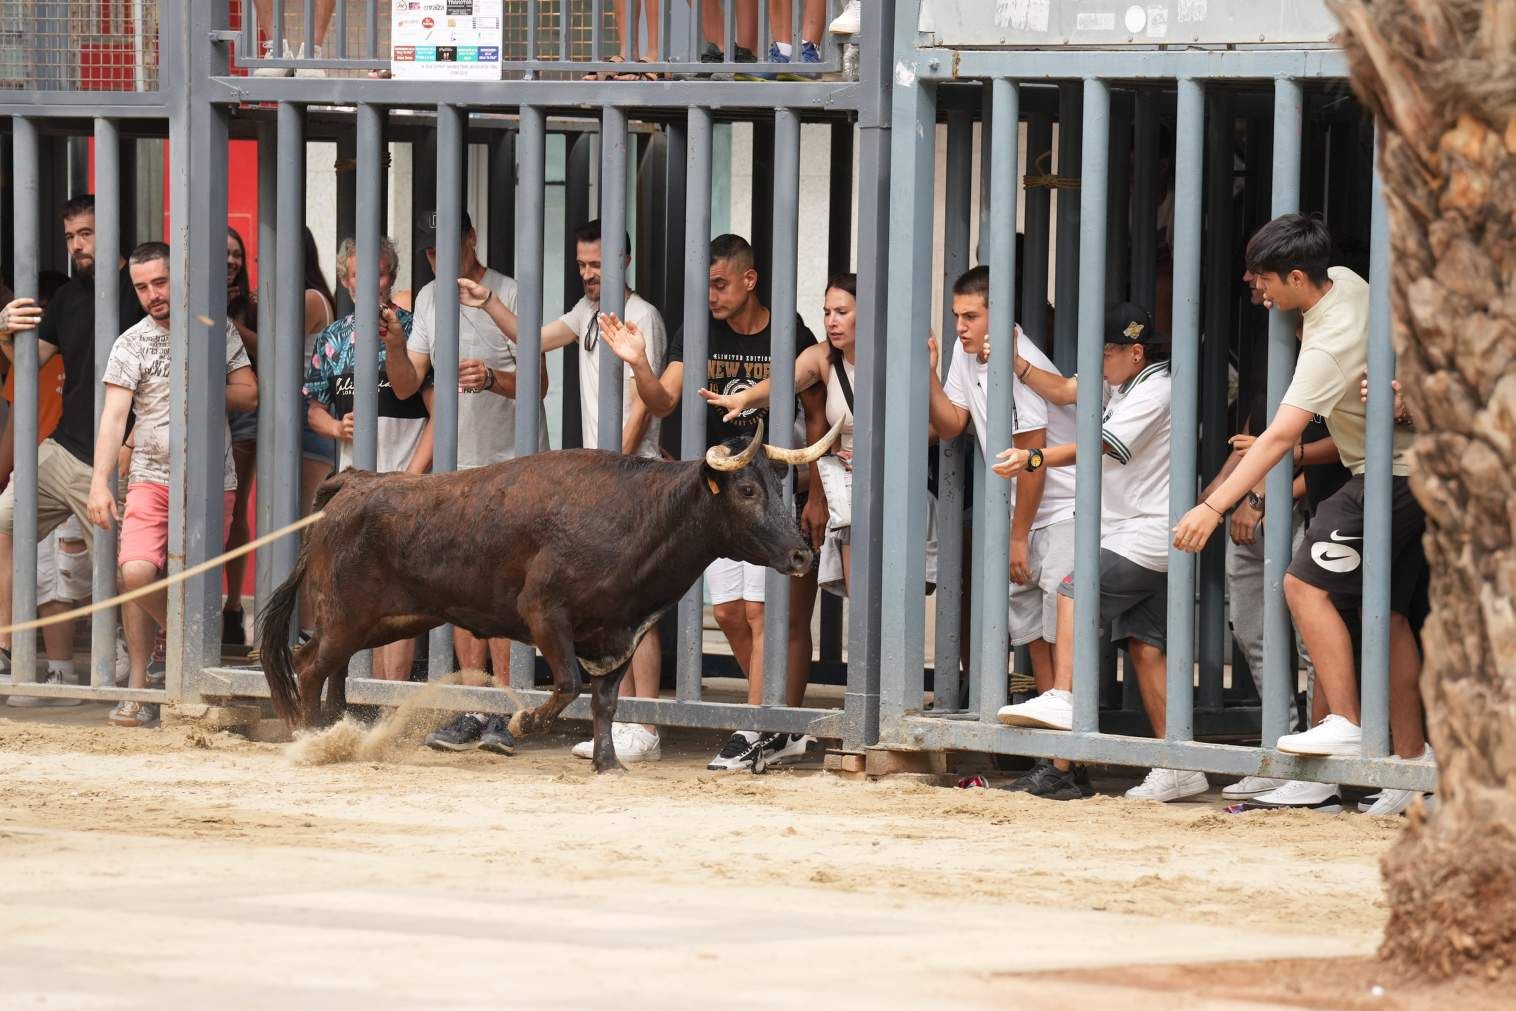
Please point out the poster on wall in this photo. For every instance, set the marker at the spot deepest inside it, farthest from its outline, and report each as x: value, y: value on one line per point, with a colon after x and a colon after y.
x: 445, y: 40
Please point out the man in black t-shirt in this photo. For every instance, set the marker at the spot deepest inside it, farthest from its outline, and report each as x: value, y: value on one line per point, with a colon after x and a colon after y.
x: 738, y: 356
x: 67, y: 328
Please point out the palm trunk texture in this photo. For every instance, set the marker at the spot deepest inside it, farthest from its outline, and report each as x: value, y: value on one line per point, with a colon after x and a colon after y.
x: 1440, y: 77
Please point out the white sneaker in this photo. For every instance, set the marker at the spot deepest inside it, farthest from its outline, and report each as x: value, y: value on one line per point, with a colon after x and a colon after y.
x: 633, y: 743
x: 1390, y: 802
x: 1249, y: 787
x: 316, y: 54
x: 1335, y: 735
x: 1164, y: 785
x: 1052, y: 710
x: 266, y: 52
x: 849, y: 22
x: 35, y: 701
x: 1325, y: 798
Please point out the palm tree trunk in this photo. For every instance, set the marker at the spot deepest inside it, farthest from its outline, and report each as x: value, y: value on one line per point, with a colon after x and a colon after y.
x: 1440, y: 76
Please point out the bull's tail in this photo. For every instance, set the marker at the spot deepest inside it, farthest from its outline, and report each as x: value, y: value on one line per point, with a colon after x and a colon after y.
x: 274, y: 634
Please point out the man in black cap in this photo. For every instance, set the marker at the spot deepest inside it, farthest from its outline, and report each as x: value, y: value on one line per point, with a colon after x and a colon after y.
x: 486, y: 405
x: 1134, y: 544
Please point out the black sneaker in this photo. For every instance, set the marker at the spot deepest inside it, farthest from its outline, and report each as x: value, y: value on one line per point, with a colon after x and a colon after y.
x: 737, y: 753
x: 1047, y: 782
x: 497, y: 736
x: 463, y: 734
x: 232, y: 632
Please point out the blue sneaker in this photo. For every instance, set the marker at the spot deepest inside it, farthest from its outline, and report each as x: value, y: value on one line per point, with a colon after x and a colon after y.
x: 809, y: 53
x: 775, y: 56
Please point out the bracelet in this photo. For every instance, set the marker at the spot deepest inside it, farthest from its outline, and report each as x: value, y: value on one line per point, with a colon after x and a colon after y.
x: 1023, y: 373
x: 1218, y: 512
x: 489, y: 379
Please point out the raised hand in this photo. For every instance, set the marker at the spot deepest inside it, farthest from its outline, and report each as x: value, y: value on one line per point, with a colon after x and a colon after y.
x: 473, y: 294
x: 731, y: 404
x: 624, y: 338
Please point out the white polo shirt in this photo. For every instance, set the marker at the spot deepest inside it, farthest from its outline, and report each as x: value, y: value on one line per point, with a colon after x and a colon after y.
x: 967, y: 387
x: 486, y: 420
x: 582, y: 319
x: 1134, y: 493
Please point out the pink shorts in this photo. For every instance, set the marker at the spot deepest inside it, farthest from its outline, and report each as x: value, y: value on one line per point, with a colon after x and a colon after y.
x: 144, y: 526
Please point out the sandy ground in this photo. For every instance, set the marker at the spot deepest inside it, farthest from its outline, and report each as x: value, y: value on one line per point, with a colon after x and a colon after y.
x: 178, y: 867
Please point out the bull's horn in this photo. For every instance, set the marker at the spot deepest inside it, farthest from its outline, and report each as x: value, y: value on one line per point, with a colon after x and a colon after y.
x: 721, y: 458
x: 810, y: 454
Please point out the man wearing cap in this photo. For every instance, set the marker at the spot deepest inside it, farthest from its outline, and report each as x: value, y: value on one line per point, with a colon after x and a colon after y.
x: 486, y: 382
x: 1134, y: 544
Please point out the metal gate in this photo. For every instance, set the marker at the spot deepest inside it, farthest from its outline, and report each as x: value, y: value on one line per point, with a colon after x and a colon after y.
x: 1115, y: 97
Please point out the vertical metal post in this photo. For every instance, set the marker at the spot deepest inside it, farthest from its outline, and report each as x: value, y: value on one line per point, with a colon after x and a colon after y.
x: 783, y: 334
x: 1185, y: 408
x: 107, y: 327
x: 1145, y: 201
x: 1377, y: 488
x: 994, y: 564
x: 1066, y: 299
x: 529, y: 242
x: 902, y: 619
x: 288, y: 324
x: 276, y: 30
x: 1278, y: 677
x: 597, y: 19
x: 531, y: 29
x: 697, y: 322
x: 268, y: 368
x: 1036, y: 216
x: 448, y: 206
x: 25, y: 174
x: 373, y: 29
x: 865, y: 614
x: 369, y: 227
x: 563, y: 31
x: 309, y: 45
x: 340, y: 30
x: 197, y: 439
x: 613, y: 252
x: 1091, y: 281
x: 951, y: 461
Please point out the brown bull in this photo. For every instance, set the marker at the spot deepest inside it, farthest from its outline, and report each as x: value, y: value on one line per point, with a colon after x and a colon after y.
x: 578, y: 552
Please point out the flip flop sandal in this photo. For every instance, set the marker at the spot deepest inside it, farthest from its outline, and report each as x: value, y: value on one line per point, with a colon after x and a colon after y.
x: 614, y: 58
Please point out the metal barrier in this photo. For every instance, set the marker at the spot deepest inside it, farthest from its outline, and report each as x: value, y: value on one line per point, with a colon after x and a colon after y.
x: 1096, y: 101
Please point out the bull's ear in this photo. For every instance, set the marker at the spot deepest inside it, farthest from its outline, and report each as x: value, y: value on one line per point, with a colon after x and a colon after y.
x: 712, y: 479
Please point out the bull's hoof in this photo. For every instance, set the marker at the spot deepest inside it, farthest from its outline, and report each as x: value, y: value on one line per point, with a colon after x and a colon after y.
x: 613, y: 767
x: 518, y: 725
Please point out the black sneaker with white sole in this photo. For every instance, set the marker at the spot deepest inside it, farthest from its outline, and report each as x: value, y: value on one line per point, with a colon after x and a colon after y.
x: 1047, y: 782
x: 496, y: 736
x: 463, y: 734
x: 755, y: 752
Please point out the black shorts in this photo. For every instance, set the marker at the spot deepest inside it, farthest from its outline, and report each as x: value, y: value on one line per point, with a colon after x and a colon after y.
x: 1330, y: 558
x: 1134, y: 600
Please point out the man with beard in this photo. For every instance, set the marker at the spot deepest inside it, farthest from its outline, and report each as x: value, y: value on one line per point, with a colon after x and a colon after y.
x: 67, y: 329
x: 139, y: 380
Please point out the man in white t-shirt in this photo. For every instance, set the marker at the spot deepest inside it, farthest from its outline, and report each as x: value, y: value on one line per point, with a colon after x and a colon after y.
x: 138, y: 380
x: 486, y: 373
x: 1042, y: 501
x: 1134, y: 554
x: 639, y: 433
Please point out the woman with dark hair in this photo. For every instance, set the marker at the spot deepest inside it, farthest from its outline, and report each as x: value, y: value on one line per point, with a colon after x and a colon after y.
x: 318, y: 454
x: 827, y: 518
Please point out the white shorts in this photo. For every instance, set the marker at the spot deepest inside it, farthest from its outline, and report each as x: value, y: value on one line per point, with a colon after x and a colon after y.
x: 62, y: 576
x: 728, y: 579
x: 1034, y: 606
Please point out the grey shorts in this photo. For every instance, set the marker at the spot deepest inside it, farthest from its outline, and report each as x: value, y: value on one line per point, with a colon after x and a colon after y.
x: 243, y: 425
x: 1134, y: 600
x: 1034, y: 605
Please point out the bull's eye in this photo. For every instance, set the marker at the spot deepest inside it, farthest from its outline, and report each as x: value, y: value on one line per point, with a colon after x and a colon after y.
x: 747, y: 491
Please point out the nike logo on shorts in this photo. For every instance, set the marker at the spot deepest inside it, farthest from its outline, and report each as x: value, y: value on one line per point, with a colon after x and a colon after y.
x: 1340, y: 539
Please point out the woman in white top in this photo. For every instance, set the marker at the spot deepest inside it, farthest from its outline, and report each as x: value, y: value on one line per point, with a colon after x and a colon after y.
x: 827, y: 519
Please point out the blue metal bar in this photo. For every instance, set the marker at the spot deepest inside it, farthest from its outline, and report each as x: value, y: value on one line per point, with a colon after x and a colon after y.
x: 1377, y: 488
x: 697, y: 322
x: 1278, y: 674
x: 308, y: 47
x: 1189, y: 188
x: 276, y: 30
x: 373, y: 28
x: 248, y: 46
x: 269, y: 375
x: 286, y: 327
x: 366, y: 339
x: 1066, y: 283
x: 529, y: 241
x: 341, y: 30
x: 1093, y: 166
x: 902, y: 618
x: 947, y: 650
x: 786, y: 211
x: 107, y: 327
x: 597, y: 20
x: 445, y: 321
x: 26, y: 176
x: 563, y: 32
x: 994, y: 564
x: 613, y: 253
x: 531, y: 29
x: 729, y: 32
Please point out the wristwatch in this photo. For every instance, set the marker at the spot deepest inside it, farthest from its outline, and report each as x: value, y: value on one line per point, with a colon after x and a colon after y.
x: 1255, y: 500
x: 1034, y: 460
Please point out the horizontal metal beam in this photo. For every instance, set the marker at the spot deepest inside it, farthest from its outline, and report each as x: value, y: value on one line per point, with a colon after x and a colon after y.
x: 1129, y: 64
x: 102, y: 694
x: 48, y: 105
x: 548, y: 94
x: 246, y: 683
x: 938, y: 733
